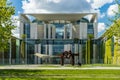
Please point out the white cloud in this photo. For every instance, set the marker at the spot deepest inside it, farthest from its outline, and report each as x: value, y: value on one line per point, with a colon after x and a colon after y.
x: 111, y: 9
x: 55, y: 1
x: 45, y: 6
x: 101, y: 27
x: 99, y: 3
x: 16, y: 22
x: 102, y: 15
x: 88, y: 1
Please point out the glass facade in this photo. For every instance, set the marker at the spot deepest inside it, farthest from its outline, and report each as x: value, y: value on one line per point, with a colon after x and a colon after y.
x: 26, y: 29
x: 59, y: 30
x: 90, y: 28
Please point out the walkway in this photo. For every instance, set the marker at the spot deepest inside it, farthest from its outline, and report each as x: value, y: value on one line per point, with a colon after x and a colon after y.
x: 53, y: 67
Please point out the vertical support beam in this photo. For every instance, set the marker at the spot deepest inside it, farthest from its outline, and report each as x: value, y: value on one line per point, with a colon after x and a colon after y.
x: 10, y: 51
x: 49, y: 31
x: 39, y: 51
x: 80, y: 53
x: 26, y: 51
x: 94, y: 53
x: 76, y: 51
x: 45, y: 26
x: 50, y: 52
x: 71, y: 31
x: 36, y: 50
x: 65, y: 30
x: 3, y: 57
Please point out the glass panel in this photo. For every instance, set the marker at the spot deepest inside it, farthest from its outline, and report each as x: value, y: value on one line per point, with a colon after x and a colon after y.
x: 59, y: 30
x: 27, y: 29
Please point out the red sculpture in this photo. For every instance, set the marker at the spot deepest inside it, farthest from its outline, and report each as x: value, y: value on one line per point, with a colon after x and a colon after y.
x: 68, y: 55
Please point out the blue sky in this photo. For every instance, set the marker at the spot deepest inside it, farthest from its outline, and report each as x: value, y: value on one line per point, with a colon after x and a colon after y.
x: 102, y: 7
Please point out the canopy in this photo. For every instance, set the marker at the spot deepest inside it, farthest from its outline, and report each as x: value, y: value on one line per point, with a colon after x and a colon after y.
x: 43, y: 55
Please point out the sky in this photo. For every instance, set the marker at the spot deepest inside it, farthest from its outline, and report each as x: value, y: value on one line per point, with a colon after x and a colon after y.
x: 104, y: 8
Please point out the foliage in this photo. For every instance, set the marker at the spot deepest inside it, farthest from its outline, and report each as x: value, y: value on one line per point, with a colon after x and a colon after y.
x: 6, y: 11
x: 114, y: 30
x: 108, y: 54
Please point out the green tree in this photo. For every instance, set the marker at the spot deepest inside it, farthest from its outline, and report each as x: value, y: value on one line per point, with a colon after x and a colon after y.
x: 115, y: 20
x: 114, y: 30
x: 6, y: 26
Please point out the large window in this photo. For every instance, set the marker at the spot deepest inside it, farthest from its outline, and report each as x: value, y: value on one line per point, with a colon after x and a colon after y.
x: 90, y: 28
x: 68, y: 31
x: 27, y: 29
x: 59, y: 30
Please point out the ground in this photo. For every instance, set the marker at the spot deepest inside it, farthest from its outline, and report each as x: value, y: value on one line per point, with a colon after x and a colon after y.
x: 58, y: 72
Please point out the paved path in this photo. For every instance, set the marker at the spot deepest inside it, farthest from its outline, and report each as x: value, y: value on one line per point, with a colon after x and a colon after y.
x: 40, y: 67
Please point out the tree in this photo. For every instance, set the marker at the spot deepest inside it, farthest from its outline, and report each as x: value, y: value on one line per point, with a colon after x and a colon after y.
x: 6, y: 26
x: 114, y: 30
x: 115, y: 20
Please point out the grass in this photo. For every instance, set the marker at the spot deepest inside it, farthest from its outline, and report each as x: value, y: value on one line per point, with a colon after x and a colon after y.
x: 59, y: 74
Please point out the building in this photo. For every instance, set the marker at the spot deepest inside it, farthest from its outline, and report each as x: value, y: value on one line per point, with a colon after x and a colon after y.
x: 110, y: 44
x: 52, y: 34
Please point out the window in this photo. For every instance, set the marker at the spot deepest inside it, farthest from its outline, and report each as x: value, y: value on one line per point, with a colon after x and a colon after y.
x: 90, y: 29
x: 27, y: 29
x: 59, y: 30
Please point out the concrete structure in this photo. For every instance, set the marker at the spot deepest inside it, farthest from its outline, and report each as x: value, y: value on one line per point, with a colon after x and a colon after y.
x: 52, y: 34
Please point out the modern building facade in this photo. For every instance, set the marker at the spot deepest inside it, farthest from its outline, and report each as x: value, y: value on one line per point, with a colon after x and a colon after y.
x: 52, y: 34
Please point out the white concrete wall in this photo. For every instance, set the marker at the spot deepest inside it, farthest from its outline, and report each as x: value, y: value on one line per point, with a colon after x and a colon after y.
x: 53, y: 32
x: 95, y: 26
x: 67, y: 47
x: 50, y: 50
x: 40, y: 31
x: 36, y: 51
x: 21, y: 29
x: 83, y: 30
x: 71, y: 31
x: 65, y: 30
x: 33, y: 30
x: 49, y: 31
x: 80, y: 53
x: 45, y: 31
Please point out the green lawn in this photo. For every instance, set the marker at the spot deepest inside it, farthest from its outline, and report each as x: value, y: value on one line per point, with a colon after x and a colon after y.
x: 59, y: 74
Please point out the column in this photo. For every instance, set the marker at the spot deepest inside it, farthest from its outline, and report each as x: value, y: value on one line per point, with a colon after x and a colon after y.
x: 33, y: 30
x: 49, y: 31
x: 46, y: 51
x: 39, y: 51
x: 83, y: 30
x: 71, y: 31
x: 45, y: 27
x: 94, y: 53
x: 80, y: 53
x: 36, y: 51
x: 65, y: 31
x: 21, y: 29
x: 76, y: 51
x: 50, y: 52
x: 53, y: 32
x: 95, y: 30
